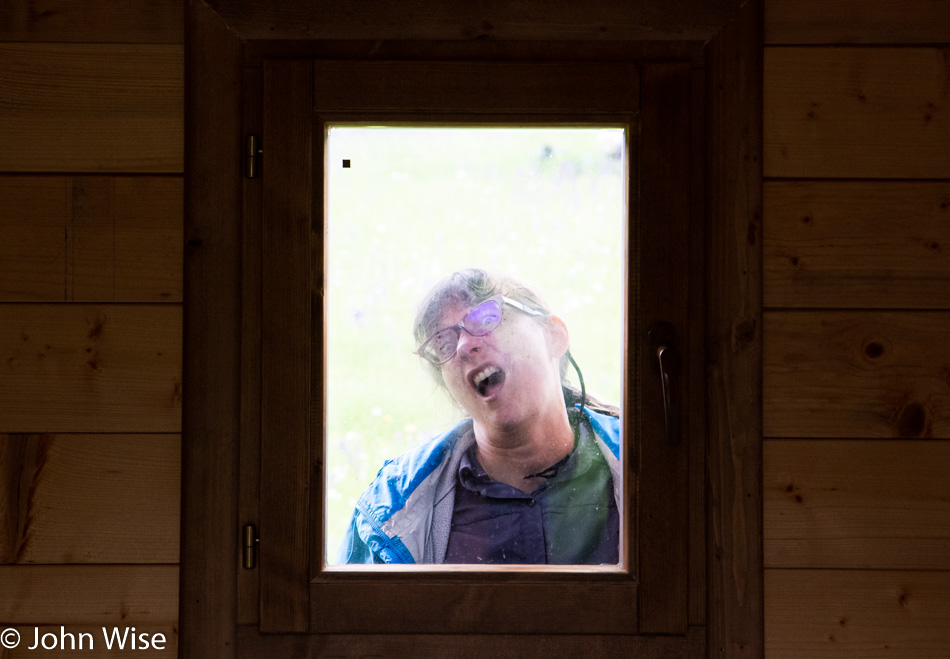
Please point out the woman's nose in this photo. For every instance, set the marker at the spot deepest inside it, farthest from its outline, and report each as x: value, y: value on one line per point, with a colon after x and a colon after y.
x: 468, y: 344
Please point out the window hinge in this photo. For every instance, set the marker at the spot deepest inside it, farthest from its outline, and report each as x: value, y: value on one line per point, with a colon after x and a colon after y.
x: 251, y: 541
x: 252, y: 156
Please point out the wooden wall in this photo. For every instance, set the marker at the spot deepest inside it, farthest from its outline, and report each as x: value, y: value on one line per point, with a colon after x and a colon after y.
x: 91, y: 123
x: 856, y: 382
x: 857, y: 324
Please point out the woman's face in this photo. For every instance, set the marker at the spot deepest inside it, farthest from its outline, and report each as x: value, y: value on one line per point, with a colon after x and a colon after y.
x: 510, y: 376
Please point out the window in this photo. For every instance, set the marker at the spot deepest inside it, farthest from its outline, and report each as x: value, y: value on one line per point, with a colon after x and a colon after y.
x: 288, y: 594
x: 309, y: 96
x: 409, y: 205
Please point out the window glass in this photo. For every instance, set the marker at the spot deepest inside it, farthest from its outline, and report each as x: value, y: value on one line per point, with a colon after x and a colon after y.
x: 408, y: 206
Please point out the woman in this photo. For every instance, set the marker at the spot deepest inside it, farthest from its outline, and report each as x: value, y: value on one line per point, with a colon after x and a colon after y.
x: 531, y: 476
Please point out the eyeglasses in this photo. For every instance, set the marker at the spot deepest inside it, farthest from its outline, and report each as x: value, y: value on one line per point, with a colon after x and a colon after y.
x: 481, y: 320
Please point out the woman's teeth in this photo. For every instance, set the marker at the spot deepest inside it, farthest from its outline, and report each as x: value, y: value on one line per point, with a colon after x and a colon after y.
x: 483, y: 375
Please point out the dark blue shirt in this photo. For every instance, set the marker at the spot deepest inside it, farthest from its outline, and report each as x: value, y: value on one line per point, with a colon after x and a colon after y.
x: 571, y: 519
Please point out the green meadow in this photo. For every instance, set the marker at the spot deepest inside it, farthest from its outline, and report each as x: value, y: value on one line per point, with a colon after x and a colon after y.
x: 544, y: 205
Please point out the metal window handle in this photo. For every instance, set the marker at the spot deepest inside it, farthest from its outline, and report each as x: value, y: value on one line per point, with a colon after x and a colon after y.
x: 662, y: 340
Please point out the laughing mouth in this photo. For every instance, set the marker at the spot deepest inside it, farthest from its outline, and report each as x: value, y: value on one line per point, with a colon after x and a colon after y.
x: 488, y: 380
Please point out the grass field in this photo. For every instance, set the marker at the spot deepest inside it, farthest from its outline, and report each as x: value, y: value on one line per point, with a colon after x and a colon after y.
x: 544, y: 205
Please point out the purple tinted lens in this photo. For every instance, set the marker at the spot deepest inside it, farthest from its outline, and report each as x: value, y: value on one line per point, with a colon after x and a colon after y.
x: 484, y: 318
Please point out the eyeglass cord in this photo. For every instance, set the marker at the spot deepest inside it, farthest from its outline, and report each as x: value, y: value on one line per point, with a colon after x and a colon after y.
x: 580, y: 377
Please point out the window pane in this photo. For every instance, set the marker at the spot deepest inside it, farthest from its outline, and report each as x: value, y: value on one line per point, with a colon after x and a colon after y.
x: 408, y: 206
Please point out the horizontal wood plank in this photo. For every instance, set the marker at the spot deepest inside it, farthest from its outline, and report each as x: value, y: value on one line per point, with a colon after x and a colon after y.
x: 91, y: 239
x: 812, y: 614
x: 856, y: 374
x: 89, y: 641
x: 91, y: 108
x: 856, y: 21
x: 466, y: 607
x: 89, y: 498
x: 489, y: 87
x: 144, y: 595
x: 254, y: 645
x: 255, y: 52
x: 32, y: 238
x: 606, y: 20
x: 92, y: 21
x: 856, y: 113
x: 881, y: 504
x: 857, y: 244
x: 90, y: 368
x: 132, y: 251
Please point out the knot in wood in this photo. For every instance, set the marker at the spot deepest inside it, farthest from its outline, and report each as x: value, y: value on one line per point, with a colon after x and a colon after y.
x: 912, y: 420
x: 743, y: 333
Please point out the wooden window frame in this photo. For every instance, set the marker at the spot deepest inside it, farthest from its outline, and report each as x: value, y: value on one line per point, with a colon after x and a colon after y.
x: 218, y: 40
x: 602, y: 601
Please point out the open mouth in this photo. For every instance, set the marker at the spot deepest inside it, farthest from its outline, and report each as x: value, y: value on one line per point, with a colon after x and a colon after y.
x: 488, y: 380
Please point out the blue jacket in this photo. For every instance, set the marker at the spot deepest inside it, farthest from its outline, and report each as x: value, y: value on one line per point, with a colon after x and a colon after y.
x: 405, y: 515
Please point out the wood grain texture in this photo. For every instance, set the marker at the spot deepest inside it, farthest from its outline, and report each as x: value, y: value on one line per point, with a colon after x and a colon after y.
x: 696, y: 419
x: 318, y: 380
x: 32, y: 238
x: 90, y: 368
x: 475, y: 605
x: 857, y: 244
x: 512, y: 646
x: 462, y: 86
x: 147, y: 239
x: 856, y: 22
x: 664, y: 239
x: 857, y: 374
x: 124, y: 239
x: 856, y: 112
x: 864, y: 614
x: 693, y: 20
x: 92, y: 21
x: 474, y: 51
x: 89, y: 594
x: 285, y: 347
x: 212, y: 338
x: 91, y: 108
x: 89, y: 498
x: 882, y: 504
x: 734, y: 334
x: 469, y: 603
x: 90, y: 239
x: 96, y: 647
x: 248, y: 581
